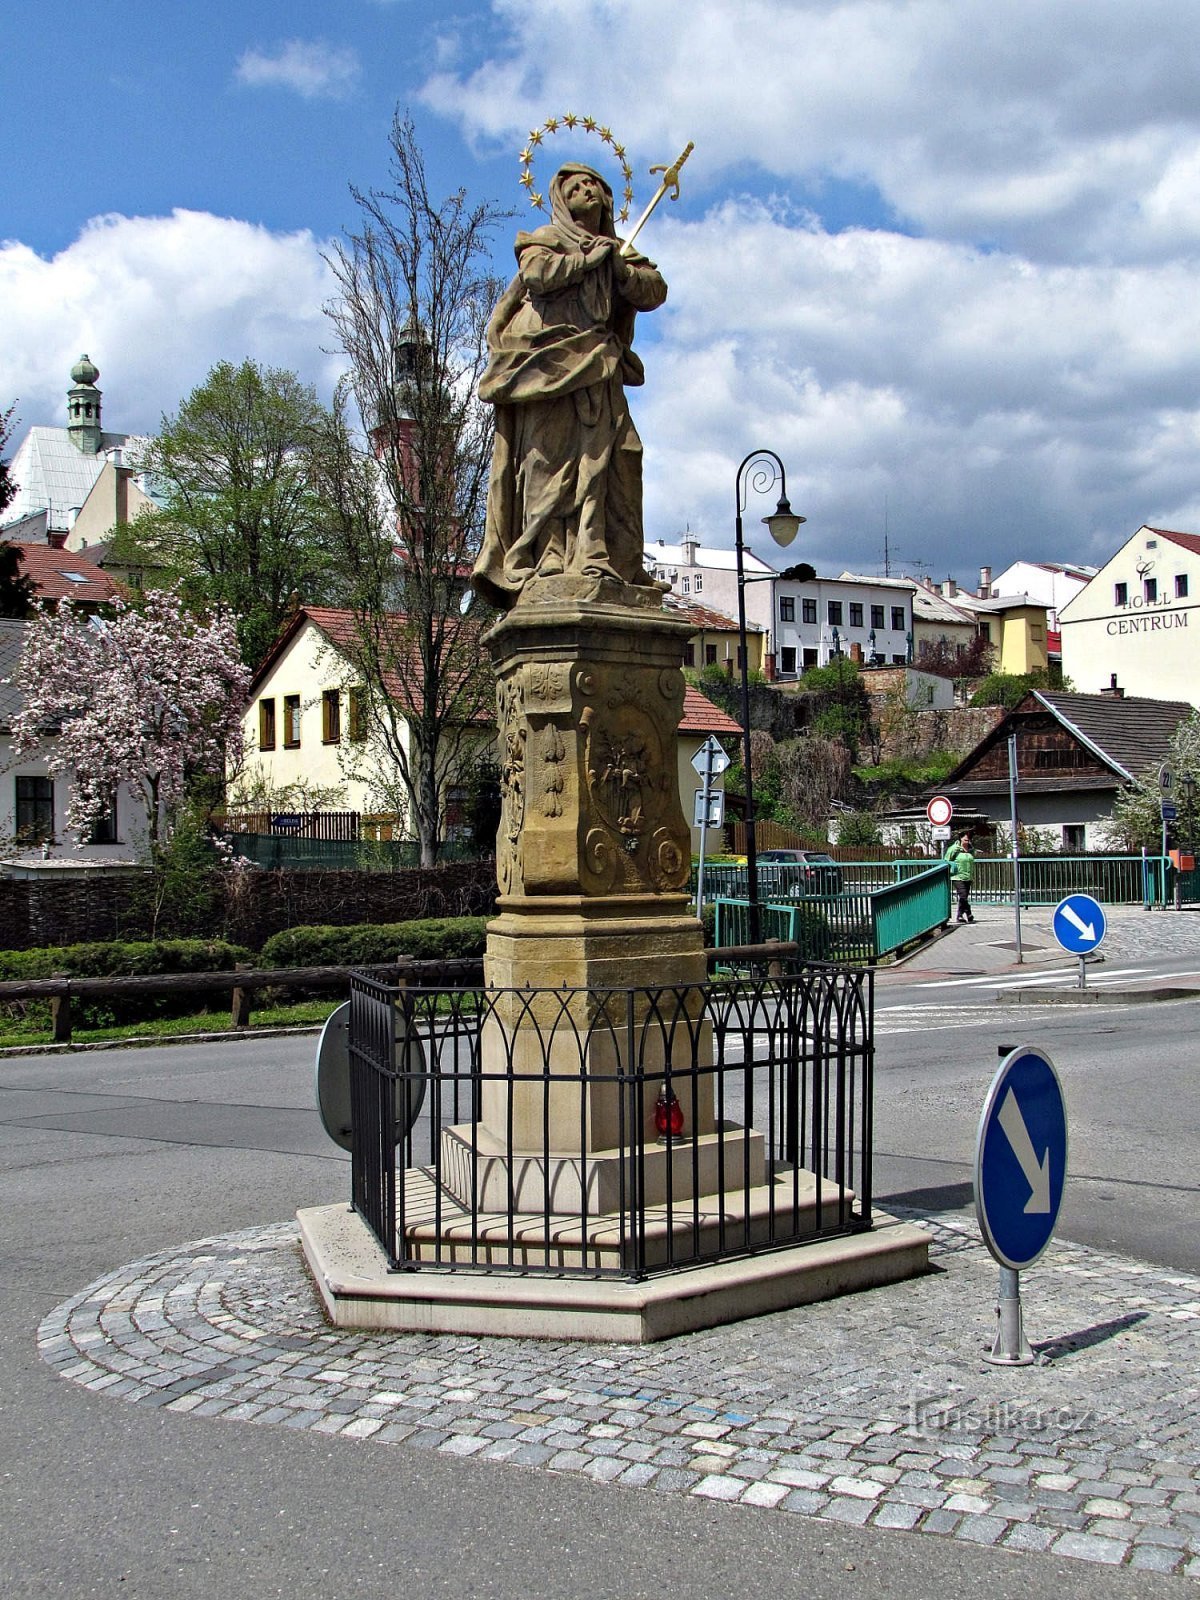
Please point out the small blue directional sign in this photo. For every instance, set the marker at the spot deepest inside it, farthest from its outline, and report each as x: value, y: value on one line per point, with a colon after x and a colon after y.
x: 1021, y: 1158
x: 1079, y: 924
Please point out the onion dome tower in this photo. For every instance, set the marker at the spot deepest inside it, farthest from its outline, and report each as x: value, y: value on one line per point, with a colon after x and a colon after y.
x: 83, y: 407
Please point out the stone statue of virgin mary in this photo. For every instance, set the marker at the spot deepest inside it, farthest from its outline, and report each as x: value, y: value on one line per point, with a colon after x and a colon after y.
x: 565, y: 494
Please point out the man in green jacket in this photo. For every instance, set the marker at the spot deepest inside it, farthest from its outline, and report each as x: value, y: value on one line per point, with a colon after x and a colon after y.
x: 962, y: 875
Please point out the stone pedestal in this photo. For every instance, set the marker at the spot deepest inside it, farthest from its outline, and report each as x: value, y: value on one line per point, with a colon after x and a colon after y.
x: 593, y: 857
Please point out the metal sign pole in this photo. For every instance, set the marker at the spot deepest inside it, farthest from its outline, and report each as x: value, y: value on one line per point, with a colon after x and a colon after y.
x: 708, y: 761
x: 1011, y: 1348
x: 1016, y: 856
x: 1082, y: 974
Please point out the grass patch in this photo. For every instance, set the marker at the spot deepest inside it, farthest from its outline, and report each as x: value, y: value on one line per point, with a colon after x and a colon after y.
x: 305, y: 1013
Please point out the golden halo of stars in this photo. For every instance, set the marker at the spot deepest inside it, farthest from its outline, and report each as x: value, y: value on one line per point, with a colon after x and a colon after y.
x: 569, y: 122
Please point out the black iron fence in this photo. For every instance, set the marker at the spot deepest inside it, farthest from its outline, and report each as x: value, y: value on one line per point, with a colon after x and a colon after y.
x: 610, y: 1132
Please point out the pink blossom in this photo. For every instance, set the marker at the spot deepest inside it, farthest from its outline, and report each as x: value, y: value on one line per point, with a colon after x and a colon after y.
x: 150, y: 697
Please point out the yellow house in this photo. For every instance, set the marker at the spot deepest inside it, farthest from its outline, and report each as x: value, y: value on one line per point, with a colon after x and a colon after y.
x: 715, y: 640
x: 308, y: 742
x: 307, y: 746
x: 1015, y: 627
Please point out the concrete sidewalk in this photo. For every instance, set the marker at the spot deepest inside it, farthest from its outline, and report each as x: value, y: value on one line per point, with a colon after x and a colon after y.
x: 987, y: 946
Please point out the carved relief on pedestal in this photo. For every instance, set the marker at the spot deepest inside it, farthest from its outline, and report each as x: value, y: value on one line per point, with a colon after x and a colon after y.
x: 588, y: 747
x: 513, y: 738
x: 630, y: 777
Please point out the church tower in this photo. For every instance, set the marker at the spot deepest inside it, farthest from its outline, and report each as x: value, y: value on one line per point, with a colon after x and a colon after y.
x: 83, y: 408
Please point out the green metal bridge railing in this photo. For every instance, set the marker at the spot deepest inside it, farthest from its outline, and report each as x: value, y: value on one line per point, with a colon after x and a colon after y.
x: 857, y: 927
x: 1112, y: 879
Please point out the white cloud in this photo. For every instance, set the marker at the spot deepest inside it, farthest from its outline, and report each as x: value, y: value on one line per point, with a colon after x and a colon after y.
x: 998, y: 406
x: 312, y: 68
x: 1029, y: 124
x: 156, y: 301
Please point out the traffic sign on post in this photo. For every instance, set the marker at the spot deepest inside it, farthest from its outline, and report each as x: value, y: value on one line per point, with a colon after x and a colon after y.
x: 1020, y: 1172
x: 1021, y: 1158
x: 939, y: 810
x: 709, y: 809
x: 710, y: 758
x: 1079, y: 924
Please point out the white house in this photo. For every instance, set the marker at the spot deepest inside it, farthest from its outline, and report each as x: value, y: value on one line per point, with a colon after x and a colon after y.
x: 1135, y: 622
x: 1047, y: 583
x: 702, y: 572
x: 868, y: 619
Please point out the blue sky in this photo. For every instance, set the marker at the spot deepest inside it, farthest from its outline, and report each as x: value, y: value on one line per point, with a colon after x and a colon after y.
x: 940, y: 254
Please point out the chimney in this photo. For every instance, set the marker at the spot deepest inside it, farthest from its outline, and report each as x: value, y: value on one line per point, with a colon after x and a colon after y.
x: 688, y: 545
x: 949, y: 589
x: 1113, y: 691
x: 985, y: 583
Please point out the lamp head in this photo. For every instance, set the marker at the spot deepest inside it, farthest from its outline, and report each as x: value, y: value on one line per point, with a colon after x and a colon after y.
x: 783, y: 523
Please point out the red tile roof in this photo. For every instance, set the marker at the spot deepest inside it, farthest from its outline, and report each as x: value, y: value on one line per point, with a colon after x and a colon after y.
x: 706, y: 618
x: 49, y: 569
x: 701, y: 716
x: 1187, y: 541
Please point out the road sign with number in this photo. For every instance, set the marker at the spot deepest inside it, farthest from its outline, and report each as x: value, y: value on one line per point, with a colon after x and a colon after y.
x: 1166, y: 781
x: 1079, y: 924
x: 1021, y: 1158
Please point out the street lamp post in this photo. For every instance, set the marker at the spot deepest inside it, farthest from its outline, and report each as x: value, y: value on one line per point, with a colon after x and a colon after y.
x: 784, y: 524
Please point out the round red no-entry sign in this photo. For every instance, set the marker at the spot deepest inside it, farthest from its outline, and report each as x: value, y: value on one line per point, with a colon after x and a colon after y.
x: 939, y: 811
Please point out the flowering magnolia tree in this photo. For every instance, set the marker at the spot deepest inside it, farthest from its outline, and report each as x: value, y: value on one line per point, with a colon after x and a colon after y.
x: 150, y: 698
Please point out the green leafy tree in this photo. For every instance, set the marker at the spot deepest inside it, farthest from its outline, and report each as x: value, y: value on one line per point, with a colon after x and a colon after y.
x: 1136, y: 819
x: 1008, y: 689
x: 859, y: 829
x: 840, y: 708
x: 407, y: 481
x: 241, y: 525
x: 18, y: 591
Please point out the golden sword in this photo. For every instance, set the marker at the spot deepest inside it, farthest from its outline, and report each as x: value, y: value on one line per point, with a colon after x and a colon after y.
x: 670, y: 182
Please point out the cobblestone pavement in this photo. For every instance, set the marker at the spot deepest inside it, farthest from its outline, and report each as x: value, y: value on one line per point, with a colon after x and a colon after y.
x: 876, y: 1409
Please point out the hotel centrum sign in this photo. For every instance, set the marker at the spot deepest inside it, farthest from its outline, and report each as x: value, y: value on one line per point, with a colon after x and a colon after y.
x: 1132, y: 622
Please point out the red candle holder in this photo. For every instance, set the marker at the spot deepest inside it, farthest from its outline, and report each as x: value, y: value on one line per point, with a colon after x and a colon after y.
x: 668, y: 1115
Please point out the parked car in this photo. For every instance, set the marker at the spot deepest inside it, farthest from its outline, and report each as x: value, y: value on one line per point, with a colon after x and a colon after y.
x: 814, y: 872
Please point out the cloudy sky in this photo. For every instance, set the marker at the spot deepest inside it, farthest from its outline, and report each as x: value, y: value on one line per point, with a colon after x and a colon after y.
x: 941, y: 255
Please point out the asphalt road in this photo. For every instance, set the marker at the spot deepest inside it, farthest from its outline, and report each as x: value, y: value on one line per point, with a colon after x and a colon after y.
x: 108, y: 1157
x: 1129, y: 1080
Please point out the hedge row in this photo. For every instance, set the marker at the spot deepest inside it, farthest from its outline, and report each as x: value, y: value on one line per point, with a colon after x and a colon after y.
x: 123, y: 959
x: 366, y: 944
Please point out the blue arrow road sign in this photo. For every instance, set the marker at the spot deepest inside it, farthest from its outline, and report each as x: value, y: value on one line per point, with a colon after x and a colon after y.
x: 1021, y: 1158
x: 1079, y: 924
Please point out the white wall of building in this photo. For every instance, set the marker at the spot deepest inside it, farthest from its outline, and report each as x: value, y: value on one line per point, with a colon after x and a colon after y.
x: 1046, y: 583
x: 806, y: 615
x: 1138, y: 621
x: 709, y: 576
